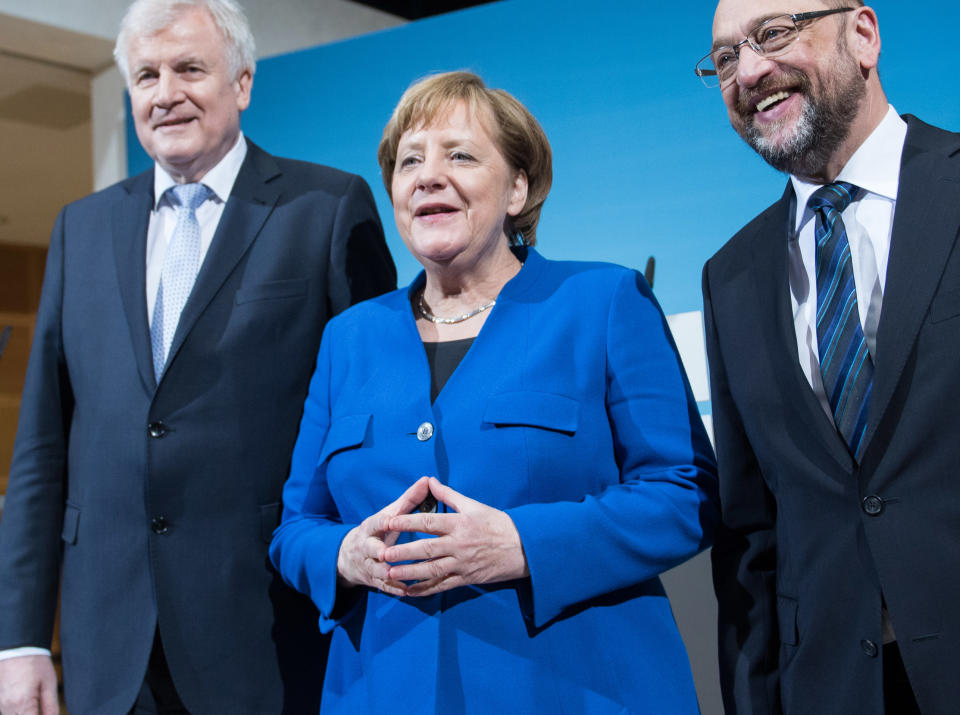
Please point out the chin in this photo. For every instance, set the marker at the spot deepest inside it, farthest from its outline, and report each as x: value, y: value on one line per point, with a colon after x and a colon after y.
x: 438, y: 250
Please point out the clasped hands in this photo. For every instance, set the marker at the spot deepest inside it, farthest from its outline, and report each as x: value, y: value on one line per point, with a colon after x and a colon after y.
x: 474, y: 544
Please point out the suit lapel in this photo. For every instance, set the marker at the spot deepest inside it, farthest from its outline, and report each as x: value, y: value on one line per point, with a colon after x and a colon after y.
x: 250, y: 203
x: 924, y: 232
x: 773, y: 301
x: 129, y: 225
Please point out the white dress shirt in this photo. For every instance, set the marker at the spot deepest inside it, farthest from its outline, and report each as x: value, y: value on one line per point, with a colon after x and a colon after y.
x: 875, y: 168
x: 163, y: 219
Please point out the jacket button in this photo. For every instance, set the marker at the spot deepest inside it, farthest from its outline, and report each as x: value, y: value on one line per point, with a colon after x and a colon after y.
x: 159, y: 525
x: 869, y: 647
x: 872, y: 505
x: 157, y: 429
x: 425, y: 431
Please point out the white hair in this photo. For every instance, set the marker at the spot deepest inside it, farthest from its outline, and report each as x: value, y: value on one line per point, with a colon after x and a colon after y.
x: 149, y: 17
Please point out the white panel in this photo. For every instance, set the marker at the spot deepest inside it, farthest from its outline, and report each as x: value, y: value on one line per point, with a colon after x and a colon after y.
x: 687, y: 329
x: 109, y: 128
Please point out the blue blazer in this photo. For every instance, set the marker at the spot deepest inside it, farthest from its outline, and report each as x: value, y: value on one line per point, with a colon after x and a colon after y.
x: 157, y: 501
x: 572, y: 413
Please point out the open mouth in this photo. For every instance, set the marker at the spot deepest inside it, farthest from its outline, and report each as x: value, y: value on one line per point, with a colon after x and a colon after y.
x: 434, y: 209
x: 772, y: 100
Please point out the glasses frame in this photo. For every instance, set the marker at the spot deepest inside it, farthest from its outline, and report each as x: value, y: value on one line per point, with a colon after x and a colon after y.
x: 709, y: 76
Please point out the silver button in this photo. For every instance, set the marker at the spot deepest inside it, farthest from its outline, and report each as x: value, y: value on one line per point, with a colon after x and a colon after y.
x: 425, y: 431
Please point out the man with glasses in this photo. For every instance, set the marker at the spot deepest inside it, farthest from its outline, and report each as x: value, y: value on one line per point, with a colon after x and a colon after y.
x: 833, y: 325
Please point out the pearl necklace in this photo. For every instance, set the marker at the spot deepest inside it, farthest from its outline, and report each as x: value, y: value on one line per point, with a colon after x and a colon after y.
x: 455, y: 319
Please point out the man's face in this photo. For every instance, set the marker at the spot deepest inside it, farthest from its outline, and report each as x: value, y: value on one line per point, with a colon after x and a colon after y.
x: 794, y: 109
x: 186, y: 102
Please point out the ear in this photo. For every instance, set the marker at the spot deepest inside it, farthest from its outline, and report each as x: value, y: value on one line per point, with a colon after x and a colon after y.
x: 863, y: 37
x: 518, y: 194
x: 243, y: 86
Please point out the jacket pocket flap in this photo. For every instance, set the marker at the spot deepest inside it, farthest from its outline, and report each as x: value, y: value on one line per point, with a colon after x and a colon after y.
x: 787, y: 620
x: 71, y: 524
x: 946, y: 305
x: 344, y: 433
x: 273, y: 289
x: 533, y: 409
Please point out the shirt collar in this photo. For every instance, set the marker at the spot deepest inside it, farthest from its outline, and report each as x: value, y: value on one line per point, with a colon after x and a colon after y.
x: 219, y: 179
x: 874, y: 166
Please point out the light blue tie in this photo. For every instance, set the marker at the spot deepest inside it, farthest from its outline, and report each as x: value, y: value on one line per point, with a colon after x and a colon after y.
x: 845, y: 362
x: 180, y: 266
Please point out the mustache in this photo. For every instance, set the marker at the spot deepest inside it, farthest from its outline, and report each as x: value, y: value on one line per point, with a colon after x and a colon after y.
x: 789, y: 78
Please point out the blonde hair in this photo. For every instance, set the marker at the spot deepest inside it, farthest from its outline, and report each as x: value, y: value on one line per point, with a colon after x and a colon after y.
x: 515, y: 131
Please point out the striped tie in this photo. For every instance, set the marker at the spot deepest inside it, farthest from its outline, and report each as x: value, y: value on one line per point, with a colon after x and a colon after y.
x: 845, y: 362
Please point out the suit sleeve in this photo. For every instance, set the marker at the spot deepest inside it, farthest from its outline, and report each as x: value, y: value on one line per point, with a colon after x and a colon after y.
x: 306, y: 544
x: 360, y: 263
x: 662, y: 510
x: 30, y: 547
x: 744, y: 551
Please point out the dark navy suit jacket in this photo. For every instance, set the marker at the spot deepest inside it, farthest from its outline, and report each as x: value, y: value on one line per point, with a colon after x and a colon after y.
x: 158, y: 501
x: 813, y: 544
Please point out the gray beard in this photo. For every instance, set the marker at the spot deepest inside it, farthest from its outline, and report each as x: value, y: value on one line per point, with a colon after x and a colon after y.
x: 823, y: 126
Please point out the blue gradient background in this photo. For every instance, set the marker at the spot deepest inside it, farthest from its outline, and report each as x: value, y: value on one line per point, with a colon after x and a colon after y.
x: 645, y: 161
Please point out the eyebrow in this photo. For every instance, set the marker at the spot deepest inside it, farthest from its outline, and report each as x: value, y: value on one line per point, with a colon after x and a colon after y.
x: 754, y: 24
x: 182, y: 61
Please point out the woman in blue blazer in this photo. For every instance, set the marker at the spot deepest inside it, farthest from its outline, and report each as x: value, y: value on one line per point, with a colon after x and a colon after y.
x: 495, y: 464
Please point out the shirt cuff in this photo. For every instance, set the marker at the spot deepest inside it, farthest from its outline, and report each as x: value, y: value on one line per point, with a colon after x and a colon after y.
x: 26, y: 650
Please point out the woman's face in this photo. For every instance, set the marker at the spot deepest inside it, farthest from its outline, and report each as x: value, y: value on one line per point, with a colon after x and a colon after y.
x: 453, y: 189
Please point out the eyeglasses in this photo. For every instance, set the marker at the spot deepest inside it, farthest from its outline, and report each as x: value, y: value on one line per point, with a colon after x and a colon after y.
x: 768, y: 39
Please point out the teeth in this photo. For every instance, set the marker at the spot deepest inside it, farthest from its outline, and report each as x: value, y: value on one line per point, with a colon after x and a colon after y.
x: 772, y: 99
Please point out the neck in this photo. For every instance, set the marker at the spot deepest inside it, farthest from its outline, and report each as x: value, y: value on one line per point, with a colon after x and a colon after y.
x: 872, y: 112
x: 193, y: 171
x: 451, y: 288
x: 451, y: 292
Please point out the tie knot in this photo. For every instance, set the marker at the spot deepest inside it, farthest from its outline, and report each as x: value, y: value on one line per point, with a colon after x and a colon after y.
x: 190, y: 196
x: 836, y: 196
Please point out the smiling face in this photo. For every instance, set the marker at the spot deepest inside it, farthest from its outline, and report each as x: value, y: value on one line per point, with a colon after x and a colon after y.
x: 453, y: 190
x: 186, y: 103
x: 795, y: 109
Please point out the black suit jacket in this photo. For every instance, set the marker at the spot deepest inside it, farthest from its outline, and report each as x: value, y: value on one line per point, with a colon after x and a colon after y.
x: 158, y: 501
x: 812, y: 544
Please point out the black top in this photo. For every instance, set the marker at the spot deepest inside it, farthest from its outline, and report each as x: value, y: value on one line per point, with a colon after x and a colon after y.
x: 443, y: 359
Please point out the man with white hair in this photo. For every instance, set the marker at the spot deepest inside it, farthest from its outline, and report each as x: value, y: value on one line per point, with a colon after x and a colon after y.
x: 177, y: 330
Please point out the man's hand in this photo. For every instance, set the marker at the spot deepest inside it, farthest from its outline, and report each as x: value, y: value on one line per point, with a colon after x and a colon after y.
x: 28, y: 686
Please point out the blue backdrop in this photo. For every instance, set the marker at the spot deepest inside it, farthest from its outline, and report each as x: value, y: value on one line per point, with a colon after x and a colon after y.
x: 645, y: 161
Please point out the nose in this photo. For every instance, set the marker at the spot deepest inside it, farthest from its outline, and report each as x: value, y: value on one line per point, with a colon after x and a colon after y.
x: 432, y: 174
x: 751, y: 67
x: 168, y: 89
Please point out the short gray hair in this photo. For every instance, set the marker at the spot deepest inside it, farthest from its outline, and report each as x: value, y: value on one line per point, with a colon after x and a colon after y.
x: 149, y: 17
